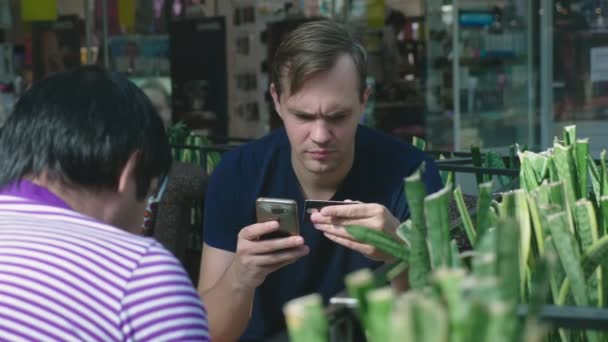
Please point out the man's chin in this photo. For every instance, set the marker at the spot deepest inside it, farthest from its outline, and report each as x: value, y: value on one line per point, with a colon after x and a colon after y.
x: 320, y: 168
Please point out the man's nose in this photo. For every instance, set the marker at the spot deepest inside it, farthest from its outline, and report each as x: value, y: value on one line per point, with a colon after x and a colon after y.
x: 321, y: 132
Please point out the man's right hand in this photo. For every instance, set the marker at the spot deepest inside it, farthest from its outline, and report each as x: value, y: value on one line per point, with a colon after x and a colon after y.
x: 255, y: 259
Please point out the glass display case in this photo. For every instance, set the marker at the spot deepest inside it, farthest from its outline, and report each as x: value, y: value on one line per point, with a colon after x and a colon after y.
x: 438, y: 94
x: 574, y: 61
x: 392, y: 37
x: 480, y: 80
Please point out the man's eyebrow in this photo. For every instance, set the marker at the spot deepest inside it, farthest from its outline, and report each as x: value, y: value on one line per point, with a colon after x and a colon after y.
x: 300, y: 112
x: 338, y: 111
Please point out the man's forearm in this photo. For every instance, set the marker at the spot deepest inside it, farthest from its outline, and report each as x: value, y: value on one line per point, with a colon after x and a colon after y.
x: 228, y: 308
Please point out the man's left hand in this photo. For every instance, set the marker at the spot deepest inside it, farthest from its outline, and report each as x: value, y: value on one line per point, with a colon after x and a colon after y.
x: 331, y: 221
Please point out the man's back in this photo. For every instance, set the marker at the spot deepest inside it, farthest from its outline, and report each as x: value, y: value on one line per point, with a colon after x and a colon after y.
x: 67, y: 277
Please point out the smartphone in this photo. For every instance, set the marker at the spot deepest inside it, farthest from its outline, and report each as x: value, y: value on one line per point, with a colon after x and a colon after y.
x: 285, y: 211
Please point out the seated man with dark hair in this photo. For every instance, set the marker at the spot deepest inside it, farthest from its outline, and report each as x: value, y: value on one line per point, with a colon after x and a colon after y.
x: 78, y: 157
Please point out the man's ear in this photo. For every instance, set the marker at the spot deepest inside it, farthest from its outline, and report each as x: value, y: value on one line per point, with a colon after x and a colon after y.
x: 366, y: 94
x: 364, y: 98
x: 127, y: 174
x: 275, y: 98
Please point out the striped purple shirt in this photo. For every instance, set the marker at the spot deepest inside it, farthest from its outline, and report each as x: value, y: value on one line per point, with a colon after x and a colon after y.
x: 68, y: 277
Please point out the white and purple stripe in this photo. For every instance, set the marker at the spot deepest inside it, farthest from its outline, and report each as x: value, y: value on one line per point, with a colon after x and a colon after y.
x: 66, y: 277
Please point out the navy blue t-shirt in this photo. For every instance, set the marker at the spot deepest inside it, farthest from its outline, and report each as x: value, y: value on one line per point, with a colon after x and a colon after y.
x: 263, y: 168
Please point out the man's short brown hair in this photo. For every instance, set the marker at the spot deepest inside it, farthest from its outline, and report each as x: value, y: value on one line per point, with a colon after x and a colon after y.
x: 312, y: 48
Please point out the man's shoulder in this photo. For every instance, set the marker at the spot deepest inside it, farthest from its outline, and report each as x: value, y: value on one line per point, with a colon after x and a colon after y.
x: 389, y: 149
x: 69, y: 225
x: 249, y: 162
x: 75, y: 239
x: 257, y: 150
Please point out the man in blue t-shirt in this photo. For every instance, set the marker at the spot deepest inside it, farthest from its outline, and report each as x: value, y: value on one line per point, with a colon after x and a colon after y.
x: 319, y: 91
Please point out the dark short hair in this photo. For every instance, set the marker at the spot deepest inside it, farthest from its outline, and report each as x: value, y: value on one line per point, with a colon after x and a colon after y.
x: 314, y: 47
x: 81, y: 127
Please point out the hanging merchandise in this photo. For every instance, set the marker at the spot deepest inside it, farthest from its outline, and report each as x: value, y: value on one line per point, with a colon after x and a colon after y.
x: 6, y: 63
x: 5, y: 13
x: 39, y: 10
x: 56, y: 45
x: 7, y: 93
x: 111, y: 16
x: 357, y: 10
x: 71, y: 7
x: 375, y: 13
x: 126, y: 14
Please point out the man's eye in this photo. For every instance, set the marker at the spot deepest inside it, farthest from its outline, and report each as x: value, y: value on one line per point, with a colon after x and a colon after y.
x: 336, y: 118
x: 305, y: 117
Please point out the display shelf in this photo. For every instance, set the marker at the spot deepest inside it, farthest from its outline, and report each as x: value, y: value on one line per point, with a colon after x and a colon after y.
x: 480, y: 69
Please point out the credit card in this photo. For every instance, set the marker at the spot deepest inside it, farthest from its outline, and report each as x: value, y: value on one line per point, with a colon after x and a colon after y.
x: 309, y: 205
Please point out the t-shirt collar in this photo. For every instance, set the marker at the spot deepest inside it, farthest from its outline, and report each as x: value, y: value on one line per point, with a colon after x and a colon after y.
x: 33, y: 192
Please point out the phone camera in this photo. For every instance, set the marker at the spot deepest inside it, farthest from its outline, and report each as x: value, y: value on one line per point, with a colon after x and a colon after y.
x: 279, y: 211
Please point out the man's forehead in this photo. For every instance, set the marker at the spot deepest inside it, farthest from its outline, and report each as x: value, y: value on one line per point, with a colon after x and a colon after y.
x: 319, y: 87
x: 343, y: 67
x: 313, y: 106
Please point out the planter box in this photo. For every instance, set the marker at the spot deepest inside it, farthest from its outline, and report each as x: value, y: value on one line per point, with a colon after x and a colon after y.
x: 345, y: 326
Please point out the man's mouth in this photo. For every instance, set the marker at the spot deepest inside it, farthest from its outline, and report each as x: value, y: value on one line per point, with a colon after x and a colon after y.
x: 320, y: 154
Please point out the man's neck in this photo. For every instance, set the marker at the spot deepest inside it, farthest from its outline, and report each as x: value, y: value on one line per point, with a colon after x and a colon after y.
x: 320, y: 186
x: 88, y: 203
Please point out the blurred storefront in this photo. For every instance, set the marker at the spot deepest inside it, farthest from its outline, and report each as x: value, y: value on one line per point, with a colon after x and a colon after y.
x: 482, y: 73
x: 456, y: 72
x: 575, y: 84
